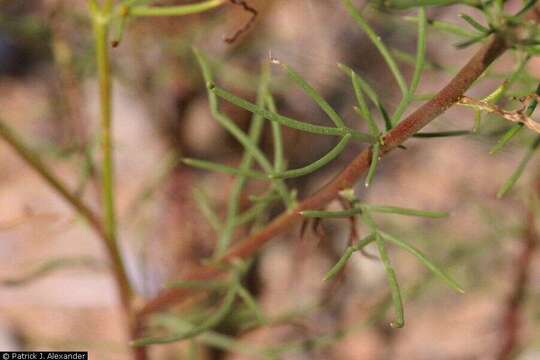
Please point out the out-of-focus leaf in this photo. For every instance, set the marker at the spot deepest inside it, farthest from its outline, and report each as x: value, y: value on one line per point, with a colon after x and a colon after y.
x: 54, y: 265
x: 519, y: 170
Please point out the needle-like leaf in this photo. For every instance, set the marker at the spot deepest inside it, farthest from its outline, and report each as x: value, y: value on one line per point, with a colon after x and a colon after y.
x: 371, y: 94
x: 227, y: 123
x: 363, y: 109
x: 405, y: 211
x: 446, y: 27
x: 420, y: 256
x: 252, y: 305
x: 287, y: 121
x: 326, y: 159
x: 314, y: 95
x: 347, y: 255
x: 331, y: 214
x: 475, y: 24
x: 277, y: 136
x: 393, y: 284
x: 203, y: 202
x: 251, y: 214
x: 376, y: 40
x: 439, y: 134
x: 366, y: 88
x: 51, y: 266
x: 506, y: 137
x: 407, y: 4
x: 340, y: 264
x: 519, y: 170
x: 211, y: 166
x: 375, y: 153
x: 420, y: 62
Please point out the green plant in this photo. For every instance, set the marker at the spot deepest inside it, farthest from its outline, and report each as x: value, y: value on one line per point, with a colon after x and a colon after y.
x: 503, y: 27
x: 103, y: 14
x: 224, y: 273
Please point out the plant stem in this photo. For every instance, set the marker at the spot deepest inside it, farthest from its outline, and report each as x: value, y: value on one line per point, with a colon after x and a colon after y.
x: 100, y: 22
x: 175, y: 10
x: 446, y: 98
x: 106, y: 229
x: 101, y: 30
x: 103, y: 66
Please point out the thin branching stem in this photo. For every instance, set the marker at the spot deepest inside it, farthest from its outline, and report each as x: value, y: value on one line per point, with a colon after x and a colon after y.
x: 287, y: 121
x: 101, y: 24
x: 235, y: 131
x: 101, y: 31
x: 444, y: 99
x: 106, y: 227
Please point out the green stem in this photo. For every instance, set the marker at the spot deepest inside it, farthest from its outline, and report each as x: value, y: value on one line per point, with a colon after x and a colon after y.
x: 393, y: 283
x: 287, y: 121
x: 179, y: 10
x: 100, y: 21
x: 277, y: 136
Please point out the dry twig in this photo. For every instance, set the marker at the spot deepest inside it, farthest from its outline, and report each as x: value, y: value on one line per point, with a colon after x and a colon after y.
x: 517, y: 116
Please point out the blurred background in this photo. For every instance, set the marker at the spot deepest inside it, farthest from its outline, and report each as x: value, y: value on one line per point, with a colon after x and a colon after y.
x: 48, y: 93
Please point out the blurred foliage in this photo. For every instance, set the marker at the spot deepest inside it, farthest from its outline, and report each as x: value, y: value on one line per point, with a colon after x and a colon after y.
x: 231, y: 306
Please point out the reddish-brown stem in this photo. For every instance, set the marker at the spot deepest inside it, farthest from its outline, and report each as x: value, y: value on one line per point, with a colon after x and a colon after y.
x: 511, y: 322
x: 447, y: 97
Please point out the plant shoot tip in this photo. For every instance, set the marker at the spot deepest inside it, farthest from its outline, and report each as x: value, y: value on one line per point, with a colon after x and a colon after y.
x: 397, y: 325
